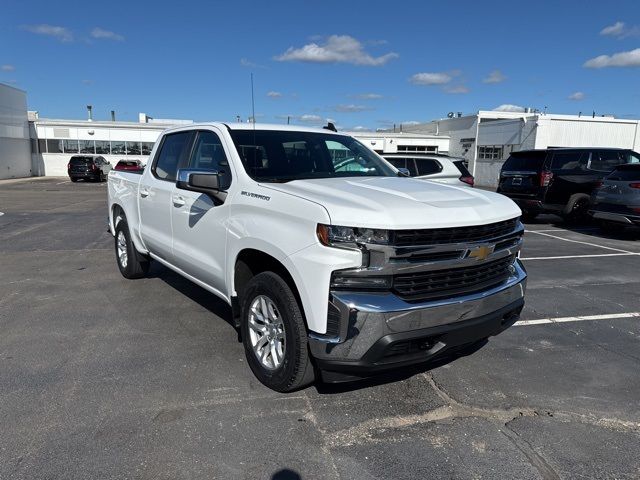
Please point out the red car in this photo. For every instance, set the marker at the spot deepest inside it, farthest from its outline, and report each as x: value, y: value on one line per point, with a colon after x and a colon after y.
x: 130, y: 166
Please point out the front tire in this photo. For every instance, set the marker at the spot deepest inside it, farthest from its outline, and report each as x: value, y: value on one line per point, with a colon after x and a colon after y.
x: 274, y: 334
x: 130, y: 263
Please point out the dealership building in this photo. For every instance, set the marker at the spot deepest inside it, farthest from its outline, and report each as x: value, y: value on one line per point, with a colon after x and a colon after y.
x: 486, y: 138
x: 34, y: 146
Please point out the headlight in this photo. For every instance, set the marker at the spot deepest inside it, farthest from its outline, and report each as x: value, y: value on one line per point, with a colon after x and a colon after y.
x: 342, y: 280
x: 350, y: 237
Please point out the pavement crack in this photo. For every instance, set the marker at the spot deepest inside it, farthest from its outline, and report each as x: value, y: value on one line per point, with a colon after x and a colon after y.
x: 325, y: 446
x: 545, y: 470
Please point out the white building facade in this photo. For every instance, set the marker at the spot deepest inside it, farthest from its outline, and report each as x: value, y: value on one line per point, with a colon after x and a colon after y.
x: 487, y: 138
x: 56, y: 141
x: 15, y: 150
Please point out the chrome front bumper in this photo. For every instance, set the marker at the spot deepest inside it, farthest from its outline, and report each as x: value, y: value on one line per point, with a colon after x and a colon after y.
x: 367, y: 320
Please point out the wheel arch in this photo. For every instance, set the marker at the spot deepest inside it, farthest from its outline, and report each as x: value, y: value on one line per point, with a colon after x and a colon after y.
x: 248, y: 263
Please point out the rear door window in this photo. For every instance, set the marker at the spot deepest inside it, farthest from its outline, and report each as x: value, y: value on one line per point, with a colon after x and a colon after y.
x: 626, y: 172
x: 428, y: 166
x: 174, y: 152
x: 566, y: 161
x: 606, y: 160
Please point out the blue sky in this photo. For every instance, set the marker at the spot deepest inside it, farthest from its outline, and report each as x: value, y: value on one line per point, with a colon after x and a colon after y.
x: 360, y: 63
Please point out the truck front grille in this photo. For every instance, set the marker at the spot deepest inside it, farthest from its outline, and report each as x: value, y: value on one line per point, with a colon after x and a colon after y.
x: 439, y: 236
x: 451, y: 282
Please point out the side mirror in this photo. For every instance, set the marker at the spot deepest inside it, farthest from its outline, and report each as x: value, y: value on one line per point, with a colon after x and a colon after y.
x: 404, y: 172
x: 202, y: 181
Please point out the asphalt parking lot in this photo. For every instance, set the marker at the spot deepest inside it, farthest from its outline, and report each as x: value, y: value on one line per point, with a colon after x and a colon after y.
x: 101, y: 377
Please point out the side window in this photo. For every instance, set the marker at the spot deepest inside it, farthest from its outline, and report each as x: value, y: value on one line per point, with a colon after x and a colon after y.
x: 605, y: 160
x: 398, y: 162
x: 632, y: 157
x: 173, y: 153
x: 208, y: 153
x: 427, y: 166
x: 565, y: 161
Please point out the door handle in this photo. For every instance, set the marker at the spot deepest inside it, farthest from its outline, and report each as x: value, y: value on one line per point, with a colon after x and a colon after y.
x: 144, y: 192
x: 178, y: 201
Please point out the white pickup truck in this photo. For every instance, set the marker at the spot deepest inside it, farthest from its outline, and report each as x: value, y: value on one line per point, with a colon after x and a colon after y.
x: 333, y: 261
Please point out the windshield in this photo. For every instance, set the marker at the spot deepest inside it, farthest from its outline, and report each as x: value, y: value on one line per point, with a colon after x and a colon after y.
x: 281, y: 156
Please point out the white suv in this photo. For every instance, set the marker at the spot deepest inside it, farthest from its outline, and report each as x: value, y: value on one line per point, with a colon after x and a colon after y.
x: 439, y: 168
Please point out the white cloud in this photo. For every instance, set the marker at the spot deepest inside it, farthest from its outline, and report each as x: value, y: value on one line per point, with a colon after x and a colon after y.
x: 410, y: 122
x: 456, y: 89
x: 495, y: 77
x: 87, y: 82
x: 249, y: 64
x: 440, y: 78
x: 103, y: 34
x: 369, y: 96
x: 7, y: 68
x: 351, y: 108
x: 309, y: 118
x: 576, y: 96
x: 60, y: 33
x: 336, y: 49
x: 507, y: 107
x: 273, y: 94
x: 621, y: 59
x: 360, y: 128
x: 620, y: 30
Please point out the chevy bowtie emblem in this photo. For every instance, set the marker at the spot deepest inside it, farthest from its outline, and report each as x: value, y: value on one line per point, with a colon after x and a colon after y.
x: 481, y: 253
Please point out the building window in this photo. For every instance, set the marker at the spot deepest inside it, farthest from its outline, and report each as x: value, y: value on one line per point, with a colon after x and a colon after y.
x: 86, y: 146
x: 117, y: 148
x: 70, y: 146
x: 146, y: 148
x: 102, y: 147
x: 492, y: 152
x: 133, y: 148
x: 54, y: 146
x: 417, y: 148
x: 42, y: 145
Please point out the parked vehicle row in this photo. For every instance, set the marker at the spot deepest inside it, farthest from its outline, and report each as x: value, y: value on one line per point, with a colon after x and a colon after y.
x: 334, y: 263
x: 559, y: 180
x: 96, y: 167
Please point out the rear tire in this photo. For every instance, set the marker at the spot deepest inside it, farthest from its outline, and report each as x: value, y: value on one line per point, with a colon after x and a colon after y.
x: 73, y: 179
x: 101, y: 178
x: 274, y: 334
x: 131, y: 263
x: 577, y: 211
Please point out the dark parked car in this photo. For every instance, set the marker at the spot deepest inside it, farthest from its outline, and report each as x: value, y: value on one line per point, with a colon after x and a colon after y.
x: 135, y: 166
x: 558, y: 180
x: 88, y: 167
x: 616, y: 201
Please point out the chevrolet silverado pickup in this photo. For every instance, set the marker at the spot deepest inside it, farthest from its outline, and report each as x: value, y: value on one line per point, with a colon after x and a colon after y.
x: 335, y: 264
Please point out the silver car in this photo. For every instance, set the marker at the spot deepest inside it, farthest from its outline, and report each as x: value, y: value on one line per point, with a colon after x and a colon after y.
x: 616, y: 201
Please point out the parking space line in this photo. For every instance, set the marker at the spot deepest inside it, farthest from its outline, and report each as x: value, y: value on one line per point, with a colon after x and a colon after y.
x: 562, y: 257
x: 1, y: 213
x: 586, y: 229
x: 611, y: 316
x: 578, y: 241
x: 68, y: 181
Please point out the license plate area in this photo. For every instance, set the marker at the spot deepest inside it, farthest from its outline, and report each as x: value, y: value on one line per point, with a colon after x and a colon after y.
x: 516, y: 181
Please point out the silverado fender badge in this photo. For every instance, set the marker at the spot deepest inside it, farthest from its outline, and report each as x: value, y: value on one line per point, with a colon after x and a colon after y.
x: 482, y: 252
x: 255, y: 195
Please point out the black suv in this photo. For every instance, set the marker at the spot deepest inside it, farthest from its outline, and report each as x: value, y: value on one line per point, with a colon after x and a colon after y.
x: 558, y: 180
x: 89, y: 167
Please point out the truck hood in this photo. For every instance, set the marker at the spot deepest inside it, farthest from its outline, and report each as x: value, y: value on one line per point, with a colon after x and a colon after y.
x: 400, y: 202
